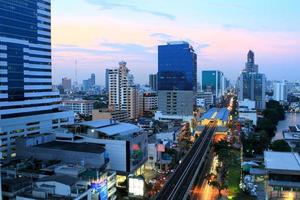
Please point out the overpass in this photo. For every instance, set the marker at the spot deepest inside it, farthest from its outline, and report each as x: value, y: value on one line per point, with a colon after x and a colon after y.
x: 180, y: 183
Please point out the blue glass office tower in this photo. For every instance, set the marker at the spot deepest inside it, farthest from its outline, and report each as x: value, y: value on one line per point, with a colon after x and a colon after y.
x: 28, y: 106
x: 213, y: 81
x: 177, y: 78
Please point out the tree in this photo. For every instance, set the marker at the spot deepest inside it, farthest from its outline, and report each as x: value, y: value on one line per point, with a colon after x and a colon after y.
x: 280, y: 145
x: 267, y: 125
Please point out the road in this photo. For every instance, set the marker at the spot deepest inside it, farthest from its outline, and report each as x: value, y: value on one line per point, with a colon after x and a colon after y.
x: 203, y: 191
x: 178, y: 185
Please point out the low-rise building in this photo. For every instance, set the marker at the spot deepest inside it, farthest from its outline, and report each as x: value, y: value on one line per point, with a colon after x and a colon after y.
x: 117, y: 115
x: 247, y: 110
x: 125, y: 144
x: 283, y: 175
x: 208, y: 98
x: 82, y: 107
x: 150, y: 102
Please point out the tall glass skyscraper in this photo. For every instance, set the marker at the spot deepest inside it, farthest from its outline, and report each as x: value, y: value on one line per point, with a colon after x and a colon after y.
x: 251, y: 84
x: 177, y: 78
x: 28, y: 105
x: 213, y: 81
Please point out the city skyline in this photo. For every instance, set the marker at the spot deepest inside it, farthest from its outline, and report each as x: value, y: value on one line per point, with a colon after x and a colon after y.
x: 219, y: 37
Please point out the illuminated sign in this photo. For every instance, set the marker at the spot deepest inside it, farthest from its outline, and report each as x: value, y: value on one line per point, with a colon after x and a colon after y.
x: 136, y: 154
x: 101, y: 188
x: 136, y: 186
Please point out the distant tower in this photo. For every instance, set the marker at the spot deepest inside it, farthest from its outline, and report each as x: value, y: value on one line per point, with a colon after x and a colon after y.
x: 250, y: 57
x: 251, y: 67
x: 76, y: 79
x: 251, y: 84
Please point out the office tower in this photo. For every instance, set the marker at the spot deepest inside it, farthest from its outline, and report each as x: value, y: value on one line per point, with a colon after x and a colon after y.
x: 93, y: 79
x: 176, y: 78
x: 280, y: 91
x: 106, y: 79
x: 122, y: 93
x: 251, y: 84
x: 251, y: 67
x: 28, y: 106
x: 66, y: 83
x: 213, y: 81
x: 153, y: 82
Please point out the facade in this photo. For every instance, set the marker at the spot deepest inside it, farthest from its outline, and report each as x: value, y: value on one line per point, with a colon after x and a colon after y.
x: 82, y: 107
x: 27, y: 103
x: 153, y: 82
x: 176, y: 78
x: 122, y: 93
x: 150, y: 102
x: 251, y: 84
x: 208, y: 98
x: 213, y: 81
x: 118, y: 115
x: 280, y: 90
x: 125, y: 144
x: 247, y: 110
x: 66, y: 83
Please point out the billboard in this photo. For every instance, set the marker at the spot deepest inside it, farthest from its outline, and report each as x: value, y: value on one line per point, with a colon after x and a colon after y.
x: 136, y: 186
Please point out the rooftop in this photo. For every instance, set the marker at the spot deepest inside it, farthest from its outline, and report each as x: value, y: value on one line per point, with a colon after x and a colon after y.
x: 99, y: 123
x: 282, y: 161
x: 67, y: 180
x: 216, y: 113
x: 122, y: 129
x: 78, y: 147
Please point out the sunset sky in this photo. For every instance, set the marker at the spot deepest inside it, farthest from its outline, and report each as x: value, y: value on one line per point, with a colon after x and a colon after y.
x: 100, y: 33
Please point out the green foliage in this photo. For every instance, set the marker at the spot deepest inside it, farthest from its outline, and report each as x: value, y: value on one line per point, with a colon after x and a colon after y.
x: 267, y: 125
x: 256, y: 143
x: 280, y: 145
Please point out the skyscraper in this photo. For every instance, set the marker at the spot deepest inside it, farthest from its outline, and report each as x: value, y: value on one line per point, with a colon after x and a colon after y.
x: 93, y: 79
x: 122, y: 93
x: 66, y: 83
x: 280, y: 90
x: 176, y: 78
x: 153, y: 81
x: 28, y: 106
x: 213, y: 81
x: 251, y: 84
x: 250, y: 64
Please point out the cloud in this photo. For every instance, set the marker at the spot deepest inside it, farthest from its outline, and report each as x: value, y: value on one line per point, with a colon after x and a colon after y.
x: 161, y: 36
x: 107, y: 5
x: 128, y: 48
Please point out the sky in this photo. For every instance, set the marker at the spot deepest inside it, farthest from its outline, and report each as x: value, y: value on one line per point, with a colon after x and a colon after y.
x: 100, y: 33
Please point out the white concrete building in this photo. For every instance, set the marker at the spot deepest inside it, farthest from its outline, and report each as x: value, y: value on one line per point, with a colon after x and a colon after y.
x: 83, y: 107
x: 280, y: 90
x: 247, y: 110
x: 123, y: 94
x: 125, y: 144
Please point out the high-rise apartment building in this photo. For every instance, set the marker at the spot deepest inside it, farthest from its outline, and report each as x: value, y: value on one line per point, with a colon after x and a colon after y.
x: 177, y: 78
x: 153, y: 82
x: 280, y: 90
x: 122, y: 93
x: 213, y: 81
x: 251, y: 84
x: 66, y: 83
x: 28, y: 106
